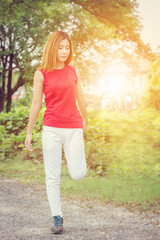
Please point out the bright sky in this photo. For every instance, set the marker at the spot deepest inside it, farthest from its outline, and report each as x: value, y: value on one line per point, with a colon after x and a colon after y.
x: 150, y: 13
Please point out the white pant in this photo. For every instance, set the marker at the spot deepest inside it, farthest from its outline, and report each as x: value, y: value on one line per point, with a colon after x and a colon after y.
x: 52, y: 141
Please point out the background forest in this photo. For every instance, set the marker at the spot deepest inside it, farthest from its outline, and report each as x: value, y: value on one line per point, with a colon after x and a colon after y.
x: 121, y: 80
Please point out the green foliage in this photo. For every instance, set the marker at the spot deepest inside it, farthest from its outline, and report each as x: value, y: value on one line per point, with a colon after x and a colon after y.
x: 13, y: 127
x: 153, y: 99
x: 121, y: 15
x: 114, y: 140
x: 25, y: 26
x: 97, y: 144
x: 12, y: 123
x: 25, y: 101
x: 118, y: 140
x: 123, y: 148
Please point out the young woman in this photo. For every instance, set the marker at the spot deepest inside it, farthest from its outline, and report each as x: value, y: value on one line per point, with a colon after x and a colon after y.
x: 63, y: 124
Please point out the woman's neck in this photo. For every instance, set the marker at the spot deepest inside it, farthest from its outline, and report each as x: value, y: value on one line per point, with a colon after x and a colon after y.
x: 59, y: 65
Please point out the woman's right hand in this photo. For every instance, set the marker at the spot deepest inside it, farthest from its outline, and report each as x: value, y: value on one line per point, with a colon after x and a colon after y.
x: 28, y: 142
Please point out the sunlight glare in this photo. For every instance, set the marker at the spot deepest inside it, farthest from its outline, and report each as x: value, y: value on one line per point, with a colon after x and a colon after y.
x: 114, y: 83
x: 114, y: 79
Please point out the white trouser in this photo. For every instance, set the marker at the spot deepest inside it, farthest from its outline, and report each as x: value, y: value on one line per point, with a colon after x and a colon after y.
x: 52, y: 141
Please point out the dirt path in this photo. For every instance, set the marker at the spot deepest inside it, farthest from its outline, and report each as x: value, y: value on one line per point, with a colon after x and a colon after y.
x: 25, y: 214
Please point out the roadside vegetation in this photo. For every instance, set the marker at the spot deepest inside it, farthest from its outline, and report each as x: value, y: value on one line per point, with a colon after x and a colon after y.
x: 122, y: 152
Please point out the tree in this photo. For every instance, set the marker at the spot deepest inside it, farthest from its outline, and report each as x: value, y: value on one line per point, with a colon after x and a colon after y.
x: 101, y: 24
x: 121, y: 17
x: 93, y: 28
x: 118, y: 14
x: 14, y: 40
x: 22, y: 38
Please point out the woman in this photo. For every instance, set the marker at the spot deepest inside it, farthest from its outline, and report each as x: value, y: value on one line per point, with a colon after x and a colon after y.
x: 63, y: 124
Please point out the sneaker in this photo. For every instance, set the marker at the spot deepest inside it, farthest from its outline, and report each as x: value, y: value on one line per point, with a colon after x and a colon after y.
x: 57, y: 227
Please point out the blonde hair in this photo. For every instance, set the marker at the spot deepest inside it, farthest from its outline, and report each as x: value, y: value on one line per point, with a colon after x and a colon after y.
x: 51, y: 48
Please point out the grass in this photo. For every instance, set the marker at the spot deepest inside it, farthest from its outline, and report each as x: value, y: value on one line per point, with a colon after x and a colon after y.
x: 122, y: 149
x: 122, y: 188
x: 132, y: 190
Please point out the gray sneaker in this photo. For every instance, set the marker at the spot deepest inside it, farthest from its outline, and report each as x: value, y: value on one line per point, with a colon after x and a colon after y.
x: 57, y: 227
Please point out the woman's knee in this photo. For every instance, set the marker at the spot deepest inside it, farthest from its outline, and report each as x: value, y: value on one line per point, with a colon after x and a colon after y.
x: 78, y: 176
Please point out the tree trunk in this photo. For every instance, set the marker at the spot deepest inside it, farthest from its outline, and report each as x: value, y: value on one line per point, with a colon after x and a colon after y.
x: 20, y: 82
x: 3, y: 65
x: 2, y: 92
x: 9, y: 89
x: 3, y: 77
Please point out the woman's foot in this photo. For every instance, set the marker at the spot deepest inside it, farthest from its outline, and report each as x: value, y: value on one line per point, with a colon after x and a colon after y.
x: 57, y: 227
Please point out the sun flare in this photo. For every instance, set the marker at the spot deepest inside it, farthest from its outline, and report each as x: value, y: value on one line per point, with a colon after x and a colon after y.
x: 113, y: 79
x: 116, y: 86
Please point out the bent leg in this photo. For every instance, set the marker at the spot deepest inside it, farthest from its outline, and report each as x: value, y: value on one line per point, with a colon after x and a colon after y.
x: 52, y: 153
x: 75, y: 153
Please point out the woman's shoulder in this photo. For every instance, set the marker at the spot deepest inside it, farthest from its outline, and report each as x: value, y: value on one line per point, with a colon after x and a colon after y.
x: 75, y: 69
x: 39, y: 71
x: 72, y: 67
x: 39, y: 74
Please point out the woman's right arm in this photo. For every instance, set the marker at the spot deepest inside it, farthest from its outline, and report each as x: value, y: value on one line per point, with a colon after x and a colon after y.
x: 35, y: 106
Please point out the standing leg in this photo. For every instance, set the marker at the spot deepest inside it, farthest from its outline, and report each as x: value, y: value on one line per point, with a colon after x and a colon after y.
x: 75, y: 153
x: 52, y: 153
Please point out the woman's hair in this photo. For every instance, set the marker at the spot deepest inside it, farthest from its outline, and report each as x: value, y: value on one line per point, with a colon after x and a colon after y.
x: 51, y: 49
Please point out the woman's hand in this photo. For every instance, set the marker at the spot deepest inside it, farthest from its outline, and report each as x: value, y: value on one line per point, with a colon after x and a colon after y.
x: 35, y: 107
x: 28, y: 142
x: 85, y: 123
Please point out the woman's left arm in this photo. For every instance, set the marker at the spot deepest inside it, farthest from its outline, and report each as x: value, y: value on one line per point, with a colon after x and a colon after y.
x: 81, y: 102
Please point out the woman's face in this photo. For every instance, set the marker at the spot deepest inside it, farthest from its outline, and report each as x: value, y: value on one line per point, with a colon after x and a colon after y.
x: 63, y: 50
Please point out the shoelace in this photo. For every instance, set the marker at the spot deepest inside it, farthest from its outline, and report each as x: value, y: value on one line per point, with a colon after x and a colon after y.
x: 57, y: 221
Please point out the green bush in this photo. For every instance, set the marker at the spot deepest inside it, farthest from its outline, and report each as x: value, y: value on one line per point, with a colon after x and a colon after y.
x: 13, y: 127
x: 122, y: 141
x: 97, y: 144
x: 114, y: 140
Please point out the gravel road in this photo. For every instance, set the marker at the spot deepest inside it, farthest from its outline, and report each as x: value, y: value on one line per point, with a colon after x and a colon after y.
x: 25, y: 214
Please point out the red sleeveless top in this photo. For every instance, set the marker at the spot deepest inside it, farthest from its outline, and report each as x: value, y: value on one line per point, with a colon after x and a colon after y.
x: 59, y: 88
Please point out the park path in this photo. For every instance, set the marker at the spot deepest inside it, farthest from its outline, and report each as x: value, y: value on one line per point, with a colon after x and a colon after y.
x: 25, y: 215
